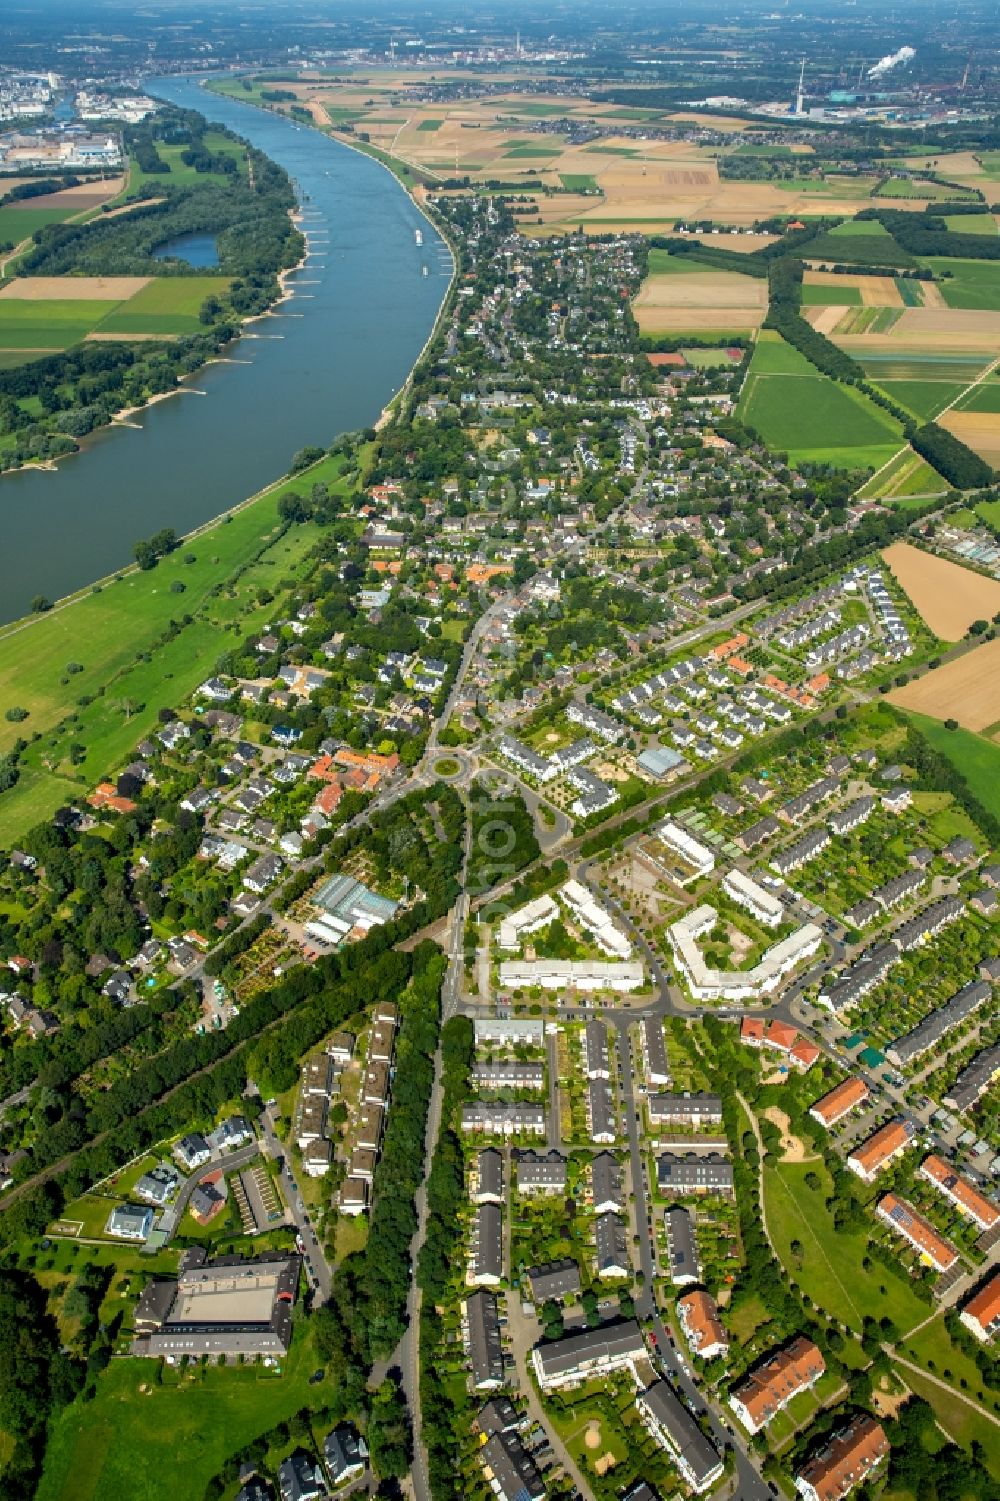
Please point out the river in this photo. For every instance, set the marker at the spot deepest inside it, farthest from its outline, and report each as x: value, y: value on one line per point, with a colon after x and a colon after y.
x: 326, y: 362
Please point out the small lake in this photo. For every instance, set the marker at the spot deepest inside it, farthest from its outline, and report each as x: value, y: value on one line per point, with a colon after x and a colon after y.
x: 197, y: 250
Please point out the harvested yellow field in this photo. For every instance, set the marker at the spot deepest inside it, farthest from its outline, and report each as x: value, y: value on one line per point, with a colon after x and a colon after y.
x: 876, y: 291
x: 967, y: 689
x: 824, y: 319
x: 947, y: 596
x: 73, y: 288
x: 980, y: 431
x: 703, y: 299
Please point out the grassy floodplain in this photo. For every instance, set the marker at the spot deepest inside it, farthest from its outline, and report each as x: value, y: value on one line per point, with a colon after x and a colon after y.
x: 115, y: 633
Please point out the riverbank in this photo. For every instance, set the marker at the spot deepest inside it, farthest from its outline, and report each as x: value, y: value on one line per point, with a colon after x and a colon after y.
x: 373, y: 154
x: 94, y: 671
x: 309, y: 370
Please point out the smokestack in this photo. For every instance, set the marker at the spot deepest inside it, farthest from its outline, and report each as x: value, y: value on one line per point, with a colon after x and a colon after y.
x: 800, y: 97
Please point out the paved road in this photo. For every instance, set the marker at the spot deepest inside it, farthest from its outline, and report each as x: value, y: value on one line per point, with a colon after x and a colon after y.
x: 317, y: 1267
x: 230, y: 1162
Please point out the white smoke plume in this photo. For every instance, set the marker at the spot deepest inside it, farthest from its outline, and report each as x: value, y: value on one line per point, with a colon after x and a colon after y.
x: 886, y: 64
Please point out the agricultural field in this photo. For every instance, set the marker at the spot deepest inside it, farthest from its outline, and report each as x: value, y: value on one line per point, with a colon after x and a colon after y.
x: 54, y: 312
x: 179, y: 174
x: 675, y: 299
x: 966, y: 690
x: 947, y: 596
x: 905, y: 476
x: 978, y: 429
x: 967, y: 284
x: 796, y: 408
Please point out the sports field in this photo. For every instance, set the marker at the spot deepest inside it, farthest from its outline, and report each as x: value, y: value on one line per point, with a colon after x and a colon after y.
x: 796, y: 408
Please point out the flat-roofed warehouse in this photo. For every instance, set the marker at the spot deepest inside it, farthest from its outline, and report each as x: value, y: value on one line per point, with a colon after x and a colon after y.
x: 229, y: 1306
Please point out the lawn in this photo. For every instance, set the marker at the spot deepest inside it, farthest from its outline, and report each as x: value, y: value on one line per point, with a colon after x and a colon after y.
x: 961, y: 1421
x: 171, y: 1438
x: 179, y: 175
x: 967, y: 284
x: 831, y: 1269
x: 796, y: 408
x: 973, y: 757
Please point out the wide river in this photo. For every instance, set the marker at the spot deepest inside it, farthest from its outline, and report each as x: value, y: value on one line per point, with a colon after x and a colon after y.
x: 325, y: 363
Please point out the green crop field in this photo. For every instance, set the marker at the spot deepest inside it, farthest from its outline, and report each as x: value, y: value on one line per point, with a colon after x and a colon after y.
x: 910, y: 291
x: 975, y: 758
x: 795, y: 408
x: 924, y: 398
x: 613, y: 150
x: 531, y: 108
x: 430, y: 125
x: 151, y: 1436
x: 129, y: 671
x: 813, y: 296
x: 583, y: 182
x: 532, y: 153
x: 166, y: 305
x: 662, y: 263
x: 17, y: 223
x: 962, y: 369
x: 907, y: 475
x: 967, y: 284
x: 859, y: 246
x: 972, y: 224
x: 49, y: 325
x: 983, y: 398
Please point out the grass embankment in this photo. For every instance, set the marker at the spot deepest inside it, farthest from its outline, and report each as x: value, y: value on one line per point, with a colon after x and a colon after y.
x: 115, y: 634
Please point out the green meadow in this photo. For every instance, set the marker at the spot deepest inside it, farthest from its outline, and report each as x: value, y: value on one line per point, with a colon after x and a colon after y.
x: 975, y: 758
x: 796, y: 408
x: 967, y: 284
x: 153, y: 1432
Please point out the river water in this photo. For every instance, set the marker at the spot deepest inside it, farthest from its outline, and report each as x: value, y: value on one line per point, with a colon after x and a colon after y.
x: 325, y: 363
